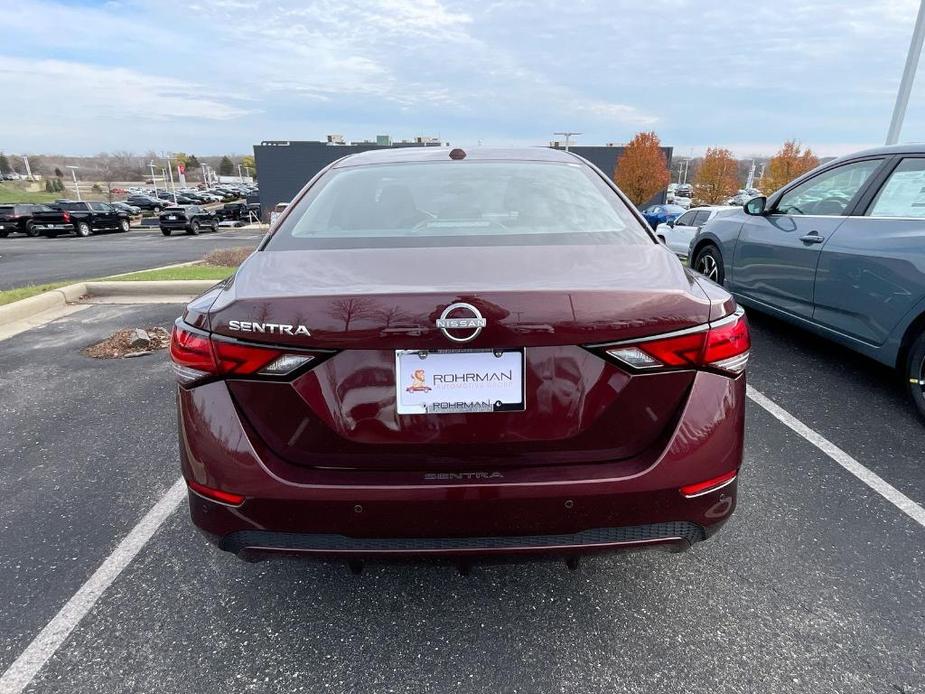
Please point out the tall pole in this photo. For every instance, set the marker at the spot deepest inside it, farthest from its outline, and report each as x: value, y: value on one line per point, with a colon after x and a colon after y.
x: 172, y: 187
x: 905, y: 85
x: 568, y: 136
x: 153, y: 177
x: 74, y: 176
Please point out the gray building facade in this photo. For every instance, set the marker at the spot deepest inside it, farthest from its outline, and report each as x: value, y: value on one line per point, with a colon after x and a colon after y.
x: 284, y: 167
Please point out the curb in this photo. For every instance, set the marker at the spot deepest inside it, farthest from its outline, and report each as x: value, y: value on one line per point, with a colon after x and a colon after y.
x: 73, y: 293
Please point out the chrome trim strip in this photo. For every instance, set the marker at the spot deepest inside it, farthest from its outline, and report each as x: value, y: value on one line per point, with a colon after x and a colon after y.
x: 719, y: 322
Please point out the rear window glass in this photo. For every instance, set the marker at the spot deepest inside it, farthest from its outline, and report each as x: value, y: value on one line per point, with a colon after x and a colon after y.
x: 458, y: 203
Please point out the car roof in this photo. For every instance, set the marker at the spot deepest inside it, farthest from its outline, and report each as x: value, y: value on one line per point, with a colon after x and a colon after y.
x: 910, y: 148
x: 397, y: 155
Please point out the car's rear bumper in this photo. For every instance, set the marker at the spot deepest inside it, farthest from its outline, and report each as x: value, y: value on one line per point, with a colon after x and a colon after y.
x: 174, y: 224
x: 551, y: 509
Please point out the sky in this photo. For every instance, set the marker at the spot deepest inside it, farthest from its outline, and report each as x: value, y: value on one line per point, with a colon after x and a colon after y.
x: 216, y: 76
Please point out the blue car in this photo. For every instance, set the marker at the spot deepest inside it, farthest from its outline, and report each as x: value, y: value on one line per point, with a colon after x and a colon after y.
x: 659, y: 214
x: 839, y: 251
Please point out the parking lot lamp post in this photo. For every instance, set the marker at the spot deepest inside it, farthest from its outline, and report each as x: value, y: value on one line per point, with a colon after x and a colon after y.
x: 74, y: 176
x: 173, y: 189
x: 153, y: 177
x: 240, y: 175
x: 905, y: 84
x: 568, y: 138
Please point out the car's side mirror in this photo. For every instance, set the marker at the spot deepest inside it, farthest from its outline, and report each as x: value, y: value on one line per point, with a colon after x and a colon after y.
x: 671, y: 223
x: 756, y: 207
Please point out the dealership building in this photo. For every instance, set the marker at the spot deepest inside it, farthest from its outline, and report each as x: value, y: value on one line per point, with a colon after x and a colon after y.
x: 285, y: 166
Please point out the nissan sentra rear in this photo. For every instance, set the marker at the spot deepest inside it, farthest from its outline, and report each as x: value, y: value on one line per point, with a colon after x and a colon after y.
x: 460, y: 354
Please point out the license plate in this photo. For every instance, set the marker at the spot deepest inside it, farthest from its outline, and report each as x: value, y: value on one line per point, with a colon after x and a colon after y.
x: 171, y: 216
x: 459, y: 381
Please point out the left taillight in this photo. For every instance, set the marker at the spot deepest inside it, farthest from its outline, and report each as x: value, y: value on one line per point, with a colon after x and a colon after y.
x: 197, y: 356
x: 721, y: 346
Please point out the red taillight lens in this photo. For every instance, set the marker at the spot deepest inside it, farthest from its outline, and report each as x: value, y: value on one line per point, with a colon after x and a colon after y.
x: 722, y: 346
x: 196, y: 356
x: 684, y: 350
x: 237, y: 359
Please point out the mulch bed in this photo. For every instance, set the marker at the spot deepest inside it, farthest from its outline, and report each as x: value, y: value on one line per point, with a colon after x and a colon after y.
x: 124, y: 343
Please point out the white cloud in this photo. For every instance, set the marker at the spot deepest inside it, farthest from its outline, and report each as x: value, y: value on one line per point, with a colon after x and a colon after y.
x: 227, y: 73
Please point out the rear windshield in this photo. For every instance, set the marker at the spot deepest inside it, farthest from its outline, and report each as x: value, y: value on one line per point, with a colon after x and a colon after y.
x: 458, y: 203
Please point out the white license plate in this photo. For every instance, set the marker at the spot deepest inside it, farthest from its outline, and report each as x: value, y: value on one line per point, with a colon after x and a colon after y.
x: 451, y: 382
x: 171, y: 216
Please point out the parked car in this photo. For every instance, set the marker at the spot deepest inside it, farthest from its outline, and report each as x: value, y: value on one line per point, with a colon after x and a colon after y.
x: 131, y: 210
x: 657, y: 214
x: 81, y: 218
x: 145, y: 202
x: 17, y: 218
x: 743, y: 196
x: 329, y: 397
x: 191, y: 218
x: 684, y: 190
x: 841, y: 252
x: 677, y: 235
x: 277, y: 211
x: 232, y: 211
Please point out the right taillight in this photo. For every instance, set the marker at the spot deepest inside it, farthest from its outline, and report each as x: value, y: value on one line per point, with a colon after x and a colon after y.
x: 197, y: 356
x: 721, y: 346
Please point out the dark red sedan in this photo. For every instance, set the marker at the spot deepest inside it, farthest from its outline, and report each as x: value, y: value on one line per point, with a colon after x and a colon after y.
x: 460, y: 354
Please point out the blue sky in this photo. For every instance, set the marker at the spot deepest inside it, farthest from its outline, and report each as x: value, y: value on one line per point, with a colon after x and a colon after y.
x: 214, y: 76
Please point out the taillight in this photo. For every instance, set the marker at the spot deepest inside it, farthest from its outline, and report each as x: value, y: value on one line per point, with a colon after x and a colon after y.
x: 722, y: 346
x: 197, y: 356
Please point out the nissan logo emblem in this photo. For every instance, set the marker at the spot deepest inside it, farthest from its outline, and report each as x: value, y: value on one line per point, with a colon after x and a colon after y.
x: 467, y: 318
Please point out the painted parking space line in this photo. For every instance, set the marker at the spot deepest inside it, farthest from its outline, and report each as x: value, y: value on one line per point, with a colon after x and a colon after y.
x: 868, y: 477
x: 18, y: 676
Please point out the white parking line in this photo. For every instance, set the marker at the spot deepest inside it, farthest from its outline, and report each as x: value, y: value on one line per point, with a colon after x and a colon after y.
x: 30, y: 661
x: 868, y: 477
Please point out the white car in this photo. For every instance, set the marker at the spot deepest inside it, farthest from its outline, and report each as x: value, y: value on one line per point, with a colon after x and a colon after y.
x: 677, y: 235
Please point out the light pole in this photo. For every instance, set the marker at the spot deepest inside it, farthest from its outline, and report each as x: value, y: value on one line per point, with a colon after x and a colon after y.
x: 568, y: 135
x: 905, y: 84
x: 74, y: 176
x: 153, y: 177
x: 173, y: 189
x: 240, y: 176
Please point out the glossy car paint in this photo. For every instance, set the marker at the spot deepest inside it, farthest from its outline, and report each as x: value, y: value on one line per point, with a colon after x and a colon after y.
x: 324, y: 454
x: 863, y: 285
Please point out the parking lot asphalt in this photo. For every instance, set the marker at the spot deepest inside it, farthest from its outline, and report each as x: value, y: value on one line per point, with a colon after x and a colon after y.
x: 817, y: 584
x: 25, y: 261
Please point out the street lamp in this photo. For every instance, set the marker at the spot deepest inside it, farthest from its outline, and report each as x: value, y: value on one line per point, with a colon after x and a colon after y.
x: 905, y: 84
x: 74, y: 176
x: 568, y: 135
x: 153, y: 177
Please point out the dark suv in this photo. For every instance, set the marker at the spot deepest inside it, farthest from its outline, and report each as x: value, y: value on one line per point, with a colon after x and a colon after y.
x: 18, y: 218
x: 191, y: 219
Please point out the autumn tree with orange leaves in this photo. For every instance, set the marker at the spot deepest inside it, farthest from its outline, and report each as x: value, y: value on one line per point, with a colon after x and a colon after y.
x: 717, y: 178
x: 642, y: 171
x: 790, y: 162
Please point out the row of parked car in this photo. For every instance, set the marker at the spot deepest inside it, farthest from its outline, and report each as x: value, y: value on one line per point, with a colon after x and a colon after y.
x: 157, y: 200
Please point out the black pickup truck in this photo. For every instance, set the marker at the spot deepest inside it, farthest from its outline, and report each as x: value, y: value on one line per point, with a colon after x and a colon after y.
x: 80, y: 218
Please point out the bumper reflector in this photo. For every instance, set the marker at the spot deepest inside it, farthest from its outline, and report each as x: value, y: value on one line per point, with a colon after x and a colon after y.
x: 707, y: 486
x: 218, y: 495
